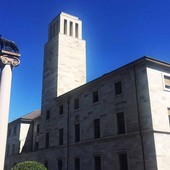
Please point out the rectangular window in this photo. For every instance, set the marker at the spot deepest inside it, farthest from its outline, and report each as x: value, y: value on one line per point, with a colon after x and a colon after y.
x: 50, y: 32
x: 46, y: 164
x: 7, y: 149
x: 120, y: 123
x: 13, y: 148
x: 76, y: 31
x: 77, y: 164
x: 76, y: 104
x: 15, y: 129
x: 97, y: 162
x: 168, y: 114
x: 65, y: 26
x: 167, y: 82
x: 9, y: 132
x: 61, y: 133
x: 47, y: 114
x: 53, y: 29
x: 97, y: 128
x: 118, y: 88
x: 38, y: 128
x: 60, y: 164
x: 123, y: 161
x: 47, y: 140
x: 71, y: 28
x: 36, y: 145
x: 77, y: 132
x: 61, y: 109
x: 95, y: 97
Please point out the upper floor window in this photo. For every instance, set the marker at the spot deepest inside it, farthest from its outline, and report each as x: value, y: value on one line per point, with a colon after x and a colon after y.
x: 65, y: 26
x: 47, y: 140
x: 15, y: 130
x: 61, y: 109
x: 168, y: 114
x: 76, y: 31
x: 38, y: 128
x: 9, y: 132
x: 47, y: 114
x: 71, y: 28
x: 120, y: 123
x: 118, y: 88
x: 97, y: 128
x: 77, y: 132
x: 61, y: 136
x: 95, y: 96
x: 167, y: 82
x: 76, y: 103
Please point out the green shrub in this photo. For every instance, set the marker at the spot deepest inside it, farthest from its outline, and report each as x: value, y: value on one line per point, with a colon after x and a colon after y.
x: 29, y: 165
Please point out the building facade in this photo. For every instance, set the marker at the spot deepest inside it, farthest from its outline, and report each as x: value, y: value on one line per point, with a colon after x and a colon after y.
x: 119, y: 121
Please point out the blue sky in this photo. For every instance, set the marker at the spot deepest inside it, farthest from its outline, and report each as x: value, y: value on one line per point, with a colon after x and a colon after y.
x: 116, y: 32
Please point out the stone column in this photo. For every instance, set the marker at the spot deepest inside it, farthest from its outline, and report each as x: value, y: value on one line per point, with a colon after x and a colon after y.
x: 7, y: 63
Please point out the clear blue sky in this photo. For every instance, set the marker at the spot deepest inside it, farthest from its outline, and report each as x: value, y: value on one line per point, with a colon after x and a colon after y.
x: 116, y: 32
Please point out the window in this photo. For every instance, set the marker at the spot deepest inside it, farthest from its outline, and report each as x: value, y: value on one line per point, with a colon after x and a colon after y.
x: 36, y: 145
x: 47, y: 140
x: 168, y: 114
x: 7, y: 149
x: 97, y: 162
x: 61, y: 133
x: 76, y: 31
x: 65, y: 26
x: 9, y: 132
x: 95, y: 97
x: 61, y: 109
x: 118, y: 88
x: 46, y: 164
x: 97, y: 128
x: 167, y: 82
x: 13, y: 148
x: 15, y: 130
x: 123, y: 161
x: 60, y: 164
x: 71, y: 28
x: 38, y: 128
x: 50, y: 32
x: 53, y: 29
x: 47, y: 114
x: 120, y: 123
x: 76, y: 104
x: 77, y: 164
x: 77, y: 132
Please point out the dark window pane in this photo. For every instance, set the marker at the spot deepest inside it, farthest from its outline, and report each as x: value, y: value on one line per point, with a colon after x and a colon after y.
x: 61, y: 109
x: 77, y: 164
x: 60, y: 164
x: 120, y: 123
x: 61, y: 132
x: 95, y: 97
x: 77, y: 132
x: 118, y: 88
x: 47, y: 114
x: 76, y: 104
x: 38, y: 128
x: 97, y: 128
x: 47, y: 140
x: 97, y: 162
x: 123, y: 162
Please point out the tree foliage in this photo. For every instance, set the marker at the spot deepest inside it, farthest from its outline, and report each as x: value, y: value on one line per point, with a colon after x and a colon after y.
x: 29, y: 165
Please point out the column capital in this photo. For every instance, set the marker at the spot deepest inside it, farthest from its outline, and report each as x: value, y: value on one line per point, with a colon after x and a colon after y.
x: 9, y: 60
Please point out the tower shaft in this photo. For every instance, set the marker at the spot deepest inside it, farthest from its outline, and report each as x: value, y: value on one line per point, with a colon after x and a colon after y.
x: 64, y: 57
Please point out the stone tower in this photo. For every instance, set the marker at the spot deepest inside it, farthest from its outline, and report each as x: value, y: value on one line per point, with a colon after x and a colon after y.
x: 64, y: 57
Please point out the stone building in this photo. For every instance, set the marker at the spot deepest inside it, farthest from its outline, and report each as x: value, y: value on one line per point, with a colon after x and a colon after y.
x: 119, y: 121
